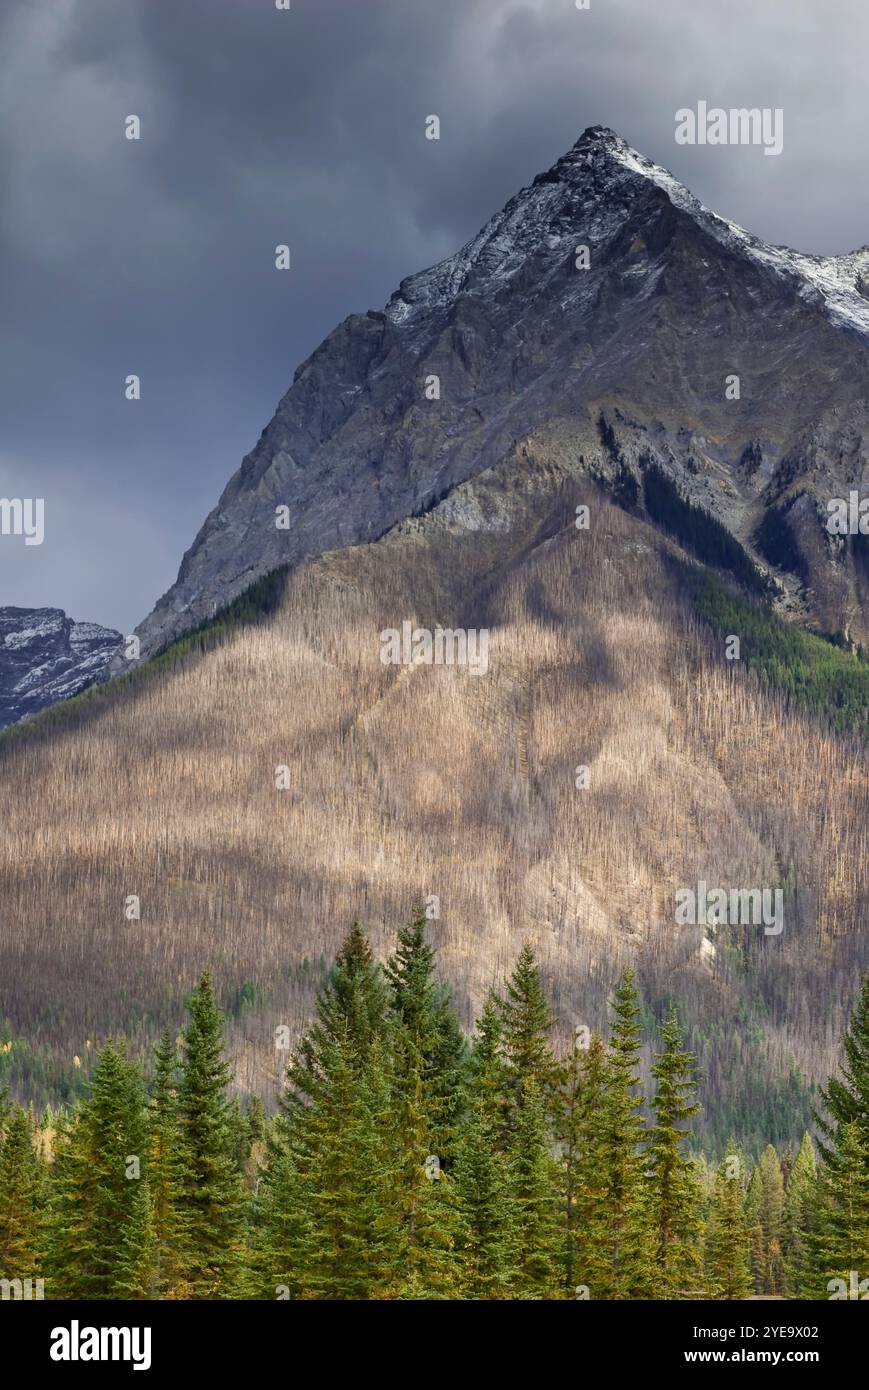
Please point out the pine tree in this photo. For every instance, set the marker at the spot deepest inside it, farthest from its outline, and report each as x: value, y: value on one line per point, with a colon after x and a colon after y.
x: 674, y: 1196
x: 98, y: 1241
x: 728, y: 1237
x: 211, y: 1204
x: 22, y: 1187
x: 797, y: 1214
x: 764, y: 1209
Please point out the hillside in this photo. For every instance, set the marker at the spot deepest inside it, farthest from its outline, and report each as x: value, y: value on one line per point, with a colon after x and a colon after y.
x: 405, y: 782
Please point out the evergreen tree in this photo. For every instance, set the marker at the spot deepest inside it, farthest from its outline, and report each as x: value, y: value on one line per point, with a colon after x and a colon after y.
x: 166, y: 1175
x: 211, y: 1204
x: 328, y: 1224
x: 98, y: 1242
x: 838, y: 1237
x: 630, y: 1274
x: 846, y: 1099
x: 484, y: 1176
x: 797, y: 1215
x: 526, y: 1025
x: 765, y: 1214
x: 728, y: 1238
x: 535, y: 1190
x: 424, y: 1098
x: 588, y: 1235
x: 675, y: 1199
x: 22, y: 1186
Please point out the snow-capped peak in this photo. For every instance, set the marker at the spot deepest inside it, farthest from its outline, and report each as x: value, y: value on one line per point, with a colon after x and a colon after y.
x: 543, y: 216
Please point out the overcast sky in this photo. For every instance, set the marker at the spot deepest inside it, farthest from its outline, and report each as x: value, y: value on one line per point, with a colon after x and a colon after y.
x: 156, y: 257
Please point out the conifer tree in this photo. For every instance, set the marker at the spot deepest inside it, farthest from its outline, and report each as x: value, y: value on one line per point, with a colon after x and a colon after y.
x: 587, y: 1234
x: 22, y: 1189
x: 799, y: 1196
x: 328, y: 1223
x: 211, y: 1204
x: 484, y: 1177
x: 837, y: 1240
x: 675, y: 1199
x: 846, y: 1099
x: 631, y: 1274
x: 526, y: 1025
x: 424, y: 1094
x: 166, y: 1175
x: 764, y: 1208
x: 728, y: 1237
x: 98, y: 1241
x: 535, y: 1191
x: 838, y: 1236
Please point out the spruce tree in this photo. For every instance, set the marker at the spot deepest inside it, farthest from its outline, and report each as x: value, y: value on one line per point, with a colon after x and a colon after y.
x: 631, y: 1274
x: 484, y: 1176
x: 837, y: 1261
x: 797, y: 1215
x: 764, y: 1208
x: 587, y: 1231
x: 674, y: 1195
x: 98, y: 1241
x: 838, y: 1236
x: 166, y: 1175
x: 22, y: 1189
x: 424, y: 1103
x: 728, y: 1236
x: 211, y: 1204
x: 535, y: 1192
x: 526, y: 1025
x: 328, y: 1224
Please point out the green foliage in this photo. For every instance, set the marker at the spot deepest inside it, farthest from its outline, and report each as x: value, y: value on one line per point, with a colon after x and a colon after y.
x: 98, y: 1241
x: 810, y: 670
x: 22, y: 1194
x: 671, y: 1180
x: 211, y: 1193
x: 728, y: 1237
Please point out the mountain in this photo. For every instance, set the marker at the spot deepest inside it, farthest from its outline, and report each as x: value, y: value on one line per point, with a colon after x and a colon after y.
x: 238, y: 800
x: 675, y: 301
x: 46, y: 656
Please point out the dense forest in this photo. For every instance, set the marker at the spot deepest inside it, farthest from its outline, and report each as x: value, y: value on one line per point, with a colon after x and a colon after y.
x: 407, y: 1162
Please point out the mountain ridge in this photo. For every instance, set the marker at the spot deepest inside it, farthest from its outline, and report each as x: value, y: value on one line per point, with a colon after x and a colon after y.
x: 674, y: 300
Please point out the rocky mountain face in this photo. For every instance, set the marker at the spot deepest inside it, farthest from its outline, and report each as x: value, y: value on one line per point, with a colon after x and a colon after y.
x: 46, y: 656
x: 605, y: 305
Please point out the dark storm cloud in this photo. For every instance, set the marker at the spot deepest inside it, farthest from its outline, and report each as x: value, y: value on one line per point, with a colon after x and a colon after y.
x: 261, y: 127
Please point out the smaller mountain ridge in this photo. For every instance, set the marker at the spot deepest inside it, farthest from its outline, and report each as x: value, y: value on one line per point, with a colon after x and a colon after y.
x: 46, y: 656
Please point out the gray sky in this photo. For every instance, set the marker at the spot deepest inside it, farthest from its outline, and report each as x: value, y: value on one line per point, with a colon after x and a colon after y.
x: 259, y: 127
